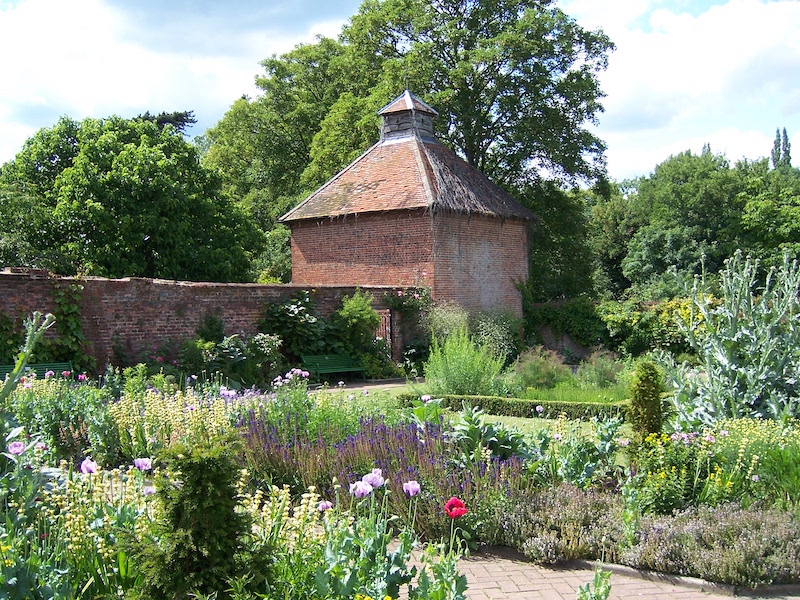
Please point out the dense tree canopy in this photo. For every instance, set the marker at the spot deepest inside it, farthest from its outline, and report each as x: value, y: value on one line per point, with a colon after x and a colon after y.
x: 515, y: 83
x: 118, y: 197
x: 689, y: 215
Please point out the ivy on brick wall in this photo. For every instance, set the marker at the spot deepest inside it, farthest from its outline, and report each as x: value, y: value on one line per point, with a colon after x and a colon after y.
x: 68, y: 346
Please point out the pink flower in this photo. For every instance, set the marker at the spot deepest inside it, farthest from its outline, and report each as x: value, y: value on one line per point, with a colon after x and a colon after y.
x: 375, y: 479
x: 366, y: 392
x: 624, y: 442
x: 88, y: 466
x: 557, y: 437
x: 16, y: 448
x: 755, y: 478
x: 340, y: 384
x: 411, y: 488
x: 160, y: 359
x: 82, y: 377
x: 41, y: 446
x: 425, y: 398
x: 360, y: 489
x: 455, y: 508
x: 148, y: 490
x: 399, y: 292
x: 143, y: 464
x: 49, y: 374
x: 66, y: 374
x: 539, y: 408
x: 324, y: 505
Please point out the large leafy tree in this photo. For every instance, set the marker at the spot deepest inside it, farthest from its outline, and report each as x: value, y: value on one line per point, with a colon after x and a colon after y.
x: 121, y: 197
x: 515, y: 83
x: 693, y: 206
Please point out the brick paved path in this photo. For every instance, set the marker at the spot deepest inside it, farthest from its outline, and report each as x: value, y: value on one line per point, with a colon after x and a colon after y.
x: 499, y: 573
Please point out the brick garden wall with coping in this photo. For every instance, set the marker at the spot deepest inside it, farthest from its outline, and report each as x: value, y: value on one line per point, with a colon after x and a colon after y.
x: 135, y: 314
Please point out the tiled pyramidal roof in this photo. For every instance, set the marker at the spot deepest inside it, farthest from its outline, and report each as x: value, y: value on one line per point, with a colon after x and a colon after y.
x: 408, y: 169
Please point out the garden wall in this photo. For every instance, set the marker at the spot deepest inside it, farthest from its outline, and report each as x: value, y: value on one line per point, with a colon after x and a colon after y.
x: 122, y: 318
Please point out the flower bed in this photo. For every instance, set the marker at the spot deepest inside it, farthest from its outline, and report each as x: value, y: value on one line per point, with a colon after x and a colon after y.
x: 305, y: 492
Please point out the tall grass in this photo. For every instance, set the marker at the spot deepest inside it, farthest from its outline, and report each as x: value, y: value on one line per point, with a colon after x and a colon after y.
x: 459, y: 366
x: 567, y: 392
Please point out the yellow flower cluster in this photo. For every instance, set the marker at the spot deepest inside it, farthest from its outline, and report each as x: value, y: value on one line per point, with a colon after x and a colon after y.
x: 162, y: 419
x: 365, y: 597
x: 276, y: 520
x: 85, y: 508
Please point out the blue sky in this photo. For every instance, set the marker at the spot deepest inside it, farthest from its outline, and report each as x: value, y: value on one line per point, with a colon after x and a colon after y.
x: 685, y: 72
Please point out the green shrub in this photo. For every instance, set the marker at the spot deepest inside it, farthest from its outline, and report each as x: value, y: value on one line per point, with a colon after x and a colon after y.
x: 446, y: 318
x: 356, y: 322
x: 577, y: 318
x: 563, y: 523
x: 528, y: 409
x: 459, y: 366
x: 499, y: 331
x: 747, y: 348
x: 193, y: 543
x: 295, y: 321
x: 600, y: 370
x: 725, y: 544
x: 644, y: 411
x: 71, y: 419
x: 541, y: 368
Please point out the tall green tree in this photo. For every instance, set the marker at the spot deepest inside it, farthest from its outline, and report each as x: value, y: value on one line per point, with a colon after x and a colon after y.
x: 515, y: 81
x: 694, y: 206
x: 123, y: 197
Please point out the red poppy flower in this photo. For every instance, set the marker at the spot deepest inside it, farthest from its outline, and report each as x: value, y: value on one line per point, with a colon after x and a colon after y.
x: 455, y: 508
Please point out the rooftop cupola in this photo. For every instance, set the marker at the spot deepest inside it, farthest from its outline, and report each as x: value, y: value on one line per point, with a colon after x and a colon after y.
x: 407, y: 115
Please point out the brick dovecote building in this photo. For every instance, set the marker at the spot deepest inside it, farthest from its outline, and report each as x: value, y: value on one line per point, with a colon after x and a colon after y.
x: 410, y: 212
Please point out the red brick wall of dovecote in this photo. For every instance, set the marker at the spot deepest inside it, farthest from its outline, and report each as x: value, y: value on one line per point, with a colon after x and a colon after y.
x: 381, y: 248
x: 472, y: 260
x: 478, y: 260
x: 140, y: 313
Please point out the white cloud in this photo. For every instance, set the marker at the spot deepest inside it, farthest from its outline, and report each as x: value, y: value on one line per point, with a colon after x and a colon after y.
x: 85, y: 58
x: 677, y: 80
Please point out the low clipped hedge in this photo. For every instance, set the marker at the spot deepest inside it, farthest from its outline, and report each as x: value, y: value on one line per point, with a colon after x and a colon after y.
x: 519, y: 407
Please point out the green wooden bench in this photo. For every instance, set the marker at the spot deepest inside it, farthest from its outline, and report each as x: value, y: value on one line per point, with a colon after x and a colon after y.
x: 321, y: 364
x: 40, y: 369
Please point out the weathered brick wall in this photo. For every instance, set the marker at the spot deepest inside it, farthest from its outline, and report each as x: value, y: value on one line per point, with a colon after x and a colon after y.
x: 472, y: 260
x: 478, y: 260
x: 391, y: 248
x: 139, y: 313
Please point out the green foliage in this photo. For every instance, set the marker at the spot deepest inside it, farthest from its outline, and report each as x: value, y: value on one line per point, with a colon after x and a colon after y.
x: 563, y: 522
x: 499, y: 331
x: 35, y: 328
x: 124, y: 197
x: 520, y: 407
x: 69, y: 345
x: 193, y: 544
x: 479, y: 441
x: 644, y: 410
x: 296, y: 323
x: 541, y: 368
x: 599, y: 588
x: 459, y: 366
x: 445, y: 319
x: 726, y: 544
x: 69, y: 418
x: 559, y: 258
x: 600, y: 370
x: 747, y: 348
x: 11, y: 338
x: 356, y: 322
x: 211, y: 329
x: 578, y: 318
